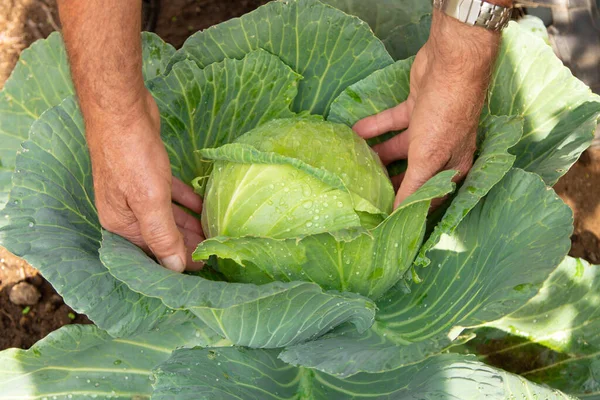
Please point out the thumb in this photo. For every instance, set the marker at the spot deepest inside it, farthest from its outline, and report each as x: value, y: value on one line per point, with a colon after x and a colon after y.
x: 159, y: 231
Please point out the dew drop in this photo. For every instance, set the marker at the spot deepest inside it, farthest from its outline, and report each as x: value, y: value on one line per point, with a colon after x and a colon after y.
x: 309, y: 224
x: 340, y: 204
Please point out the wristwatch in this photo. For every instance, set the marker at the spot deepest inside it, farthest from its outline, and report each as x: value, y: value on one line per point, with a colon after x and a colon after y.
x: 476, y: 12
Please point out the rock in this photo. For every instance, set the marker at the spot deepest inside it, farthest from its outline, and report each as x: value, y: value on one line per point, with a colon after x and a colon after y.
x: 24, y: 294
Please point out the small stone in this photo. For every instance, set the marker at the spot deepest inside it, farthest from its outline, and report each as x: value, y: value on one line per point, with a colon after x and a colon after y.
x: 24, y: 294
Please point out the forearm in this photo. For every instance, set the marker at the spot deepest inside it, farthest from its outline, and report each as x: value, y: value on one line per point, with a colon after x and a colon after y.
x: 103, y: 44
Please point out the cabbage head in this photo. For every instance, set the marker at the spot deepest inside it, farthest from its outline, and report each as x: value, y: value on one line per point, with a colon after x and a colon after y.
x: 314, y: 286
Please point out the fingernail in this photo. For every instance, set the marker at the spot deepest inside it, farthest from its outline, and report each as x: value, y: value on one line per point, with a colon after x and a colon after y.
x: 174, y: 263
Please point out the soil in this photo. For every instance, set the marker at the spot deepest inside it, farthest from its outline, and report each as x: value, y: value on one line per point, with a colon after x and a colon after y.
x: 24, y: 21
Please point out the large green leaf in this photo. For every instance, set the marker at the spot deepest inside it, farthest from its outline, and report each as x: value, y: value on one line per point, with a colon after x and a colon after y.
x: 573, y: 373
x: 5, y: 181
x: 82, y: 361
x: 272, y: 315
x: 236, y: 373
x: 209, y: 107
x: 369, y: 263
x: 40, y: 80
x: 330, y: 49
x: 560, y: 112
x: 53, y: 224
x: 488, y: 267
x: 564, y: 316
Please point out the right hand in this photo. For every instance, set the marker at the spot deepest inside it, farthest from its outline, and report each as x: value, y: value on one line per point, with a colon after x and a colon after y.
x: 134, y: 188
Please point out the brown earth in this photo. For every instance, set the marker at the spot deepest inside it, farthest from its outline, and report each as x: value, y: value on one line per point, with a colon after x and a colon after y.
x: 24, y: 21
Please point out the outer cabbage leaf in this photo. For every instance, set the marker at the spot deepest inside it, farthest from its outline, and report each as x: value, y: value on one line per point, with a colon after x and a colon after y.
x: 5, y: 181
x: 273, y: 315
x: 564, y: 316
x: 236, y: 373
x: 208, y: 108
x: 300, y: 33
x: 573, y: 373
x: 40, y: 80
x: 53, y: 225
x: 560, y: 112
x: 82, y: 361
x: 369, y: 262
x: 488, y: 267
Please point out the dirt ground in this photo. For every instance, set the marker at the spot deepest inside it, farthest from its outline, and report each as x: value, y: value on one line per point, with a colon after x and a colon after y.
x: 24, y: 21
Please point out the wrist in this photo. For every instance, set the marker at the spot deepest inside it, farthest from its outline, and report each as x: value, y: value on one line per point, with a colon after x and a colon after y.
x: 461, y: 48
x: 122, y: 109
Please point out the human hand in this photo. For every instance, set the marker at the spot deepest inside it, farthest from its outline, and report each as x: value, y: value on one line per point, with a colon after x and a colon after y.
x: 448, y: 84
x: 134, y: 188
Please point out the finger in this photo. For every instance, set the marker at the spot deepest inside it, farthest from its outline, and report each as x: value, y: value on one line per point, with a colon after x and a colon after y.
x: 392, y: 119
x: 397, y: 181
x: 185, y: 195
x: 394, y: 149
x: 186, y: 221
x: 420, y: 170
x: 191, y: 240
x: 158, y: 228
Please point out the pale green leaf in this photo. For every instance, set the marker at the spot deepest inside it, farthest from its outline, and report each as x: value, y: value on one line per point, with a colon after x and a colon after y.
x: 573, y: 373
x: 369, y: 263
x: 237, y: 373
x: 40, y: 80
x: 560, y: 112
x: 563, y: 316
x: 202, y: 108
x: 82, y: 361
x: 330, y: 49
x: 272, y: 315
x: 53, y: 225
x: 488, y: 267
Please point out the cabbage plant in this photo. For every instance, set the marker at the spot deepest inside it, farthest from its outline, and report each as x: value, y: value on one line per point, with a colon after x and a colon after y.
x: 314, y: 288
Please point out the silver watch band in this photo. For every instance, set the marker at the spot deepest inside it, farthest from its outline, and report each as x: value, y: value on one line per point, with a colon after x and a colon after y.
x: 476, y: 13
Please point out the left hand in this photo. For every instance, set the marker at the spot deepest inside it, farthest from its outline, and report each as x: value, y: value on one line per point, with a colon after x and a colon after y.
x: 448, y: 84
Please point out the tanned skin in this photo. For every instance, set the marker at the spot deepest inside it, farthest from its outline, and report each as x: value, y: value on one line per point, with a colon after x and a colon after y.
x: 134, y: 189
